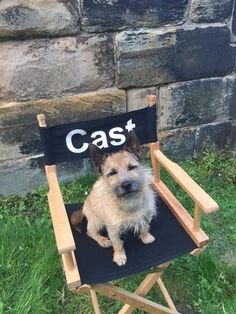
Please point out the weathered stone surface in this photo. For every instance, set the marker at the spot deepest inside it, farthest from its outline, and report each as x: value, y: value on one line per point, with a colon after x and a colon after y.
x: 20, y: 140
x: 230, y: 95
x: 113, y: 15
x: 23, y: 175
x: 178, y: 144
x: 233, y: 135
x: 206, y: 11
x: 17, y: 176
x: 19, y: 134
x: 196, y: 102
x: 213, y: 134
x: 52, y: 68
x: 81, y: 107
x: 137, y: 98
x: 187, y: 142
x: 233, y: 25
x: 30, y: 18
x: 156, y: 56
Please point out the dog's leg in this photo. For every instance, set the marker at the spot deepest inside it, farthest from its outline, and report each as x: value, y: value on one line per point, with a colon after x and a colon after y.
x: 119, y: 256
x: 93, y: 232
x: 145, y: 235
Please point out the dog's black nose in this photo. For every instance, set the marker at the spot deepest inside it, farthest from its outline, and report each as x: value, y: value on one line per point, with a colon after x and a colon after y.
x: 129, y: 186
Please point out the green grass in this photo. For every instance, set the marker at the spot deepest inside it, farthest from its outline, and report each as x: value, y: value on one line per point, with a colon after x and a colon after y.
x: 30, y: 268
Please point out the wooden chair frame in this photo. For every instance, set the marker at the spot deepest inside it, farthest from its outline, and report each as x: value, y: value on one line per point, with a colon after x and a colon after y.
x: 66, y: 245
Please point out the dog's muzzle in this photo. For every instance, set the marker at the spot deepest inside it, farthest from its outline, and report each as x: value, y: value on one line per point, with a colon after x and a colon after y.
x: 128, y: 187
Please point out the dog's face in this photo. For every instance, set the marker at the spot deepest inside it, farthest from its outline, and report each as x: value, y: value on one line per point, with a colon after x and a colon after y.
x: 121, y: 171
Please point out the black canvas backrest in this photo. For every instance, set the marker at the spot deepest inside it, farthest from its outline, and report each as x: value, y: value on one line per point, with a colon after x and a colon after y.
x: 70, y: 141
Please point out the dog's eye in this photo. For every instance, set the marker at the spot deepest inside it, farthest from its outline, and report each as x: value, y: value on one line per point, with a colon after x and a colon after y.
x: 112, y: 173
x: 131, y: 167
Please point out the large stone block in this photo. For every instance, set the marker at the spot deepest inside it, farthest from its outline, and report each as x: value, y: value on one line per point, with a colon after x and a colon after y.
x: 30, y: 18
x: 157, y: 56
x: 189, y: 142
x: 23, y: 175
x: 214, y: 134
x: 233, y: 136
x: 137, y: 98
x: 233, y: 25
x: 206, y: 11
x: 18, y: 176
x: 100, y: 16
x: 19, y: 134
x: 229, y: 95
x: 52, y: 68
x: 178, y: 144
x: 196, y: 102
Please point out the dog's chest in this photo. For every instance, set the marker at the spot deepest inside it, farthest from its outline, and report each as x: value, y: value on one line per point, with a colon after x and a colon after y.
x: 123, y: 221
x: 133, y: 213
x: 134, y: 223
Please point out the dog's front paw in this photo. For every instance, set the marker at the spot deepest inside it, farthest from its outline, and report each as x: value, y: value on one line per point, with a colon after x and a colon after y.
x: 147, y: 238
x: 120, y: 258
x: 104, y: 241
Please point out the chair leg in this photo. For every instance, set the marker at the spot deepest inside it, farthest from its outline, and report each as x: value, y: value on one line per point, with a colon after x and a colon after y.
x: 166, y: 294
x: 142, y: 290
x: 145, y: 286
x: 134, y: 300
x: 94, y: 301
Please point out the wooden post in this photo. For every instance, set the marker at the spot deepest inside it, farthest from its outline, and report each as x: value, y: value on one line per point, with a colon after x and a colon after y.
x: 94, y: 301
x: 197, y: 218
x: 166, y: 294
x: 69, y: 260
x: 155, y: 164
x: 41, y: 120
x: 64, y: 238
x: 196, y: 252
x: 152, y: 100
x: 154, y: 146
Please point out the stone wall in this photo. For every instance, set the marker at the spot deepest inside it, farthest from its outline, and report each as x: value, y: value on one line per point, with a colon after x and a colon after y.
x: 74, y: 59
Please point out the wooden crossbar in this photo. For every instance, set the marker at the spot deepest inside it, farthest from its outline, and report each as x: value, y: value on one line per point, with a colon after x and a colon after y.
x: 145, y: 286
x: 136, y: 299
x: 132, y: 299
x: 166, y: 294
x: 142, y: 290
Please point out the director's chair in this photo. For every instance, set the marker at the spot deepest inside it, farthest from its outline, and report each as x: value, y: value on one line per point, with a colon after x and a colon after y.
x: 88, y: 267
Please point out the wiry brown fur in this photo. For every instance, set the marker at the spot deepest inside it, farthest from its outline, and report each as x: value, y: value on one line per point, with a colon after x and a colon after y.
x: 108, y: 205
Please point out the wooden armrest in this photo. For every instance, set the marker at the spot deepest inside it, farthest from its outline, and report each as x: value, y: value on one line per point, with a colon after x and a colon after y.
x: 64, y: 238
x: 198, y: 195
x: 198, y: 236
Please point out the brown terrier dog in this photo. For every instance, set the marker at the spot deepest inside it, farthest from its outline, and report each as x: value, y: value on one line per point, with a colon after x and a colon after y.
x: 121, y: 199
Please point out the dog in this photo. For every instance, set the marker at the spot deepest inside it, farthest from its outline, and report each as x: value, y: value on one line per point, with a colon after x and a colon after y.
x: 121, y: 199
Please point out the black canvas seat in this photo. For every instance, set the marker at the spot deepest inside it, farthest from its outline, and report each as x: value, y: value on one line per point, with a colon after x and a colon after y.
x: 96, y: 265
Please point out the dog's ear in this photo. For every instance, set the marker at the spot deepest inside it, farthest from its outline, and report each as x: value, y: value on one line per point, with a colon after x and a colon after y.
x: 132, y: 144
x: 98, y: 156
